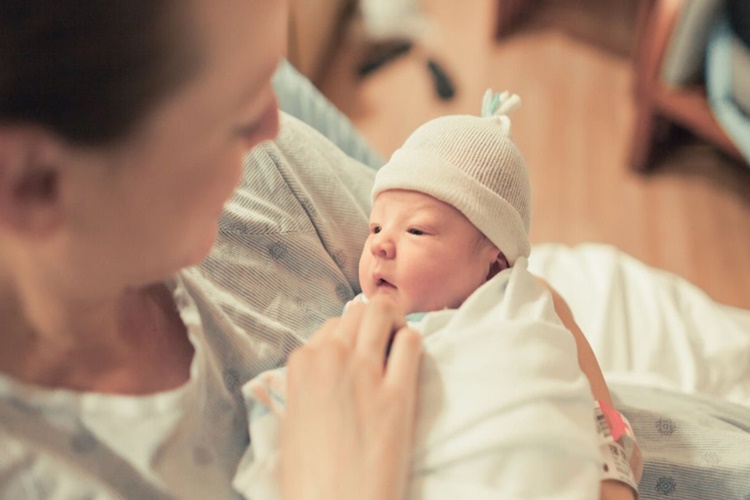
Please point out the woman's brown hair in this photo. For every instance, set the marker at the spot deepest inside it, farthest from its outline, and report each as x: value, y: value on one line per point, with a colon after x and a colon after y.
x: 89, y: 70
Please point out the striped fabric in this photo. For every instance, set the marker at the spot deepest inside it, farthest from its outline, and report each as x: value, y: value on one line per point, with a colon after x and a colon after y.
x: 289, y: 241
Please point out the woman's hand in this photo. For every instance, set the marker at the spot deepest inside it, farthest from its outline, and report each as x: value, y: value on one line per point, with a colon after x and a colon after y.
x: 349, y: 421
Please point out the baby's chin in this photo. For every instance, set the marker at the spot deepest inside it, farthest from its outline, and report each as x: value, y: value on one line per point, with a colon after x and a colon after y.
x: 391, y: 292
x: 385, y: 290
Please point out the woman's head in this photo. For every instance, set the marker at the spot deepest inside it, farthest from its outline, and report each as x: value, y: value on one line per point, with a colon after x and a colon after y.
x: 122, y: 128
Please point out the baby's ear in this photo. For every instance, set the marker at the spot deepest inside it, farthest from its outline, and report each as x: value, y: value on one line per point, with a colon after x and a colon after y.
x: 500, y: 263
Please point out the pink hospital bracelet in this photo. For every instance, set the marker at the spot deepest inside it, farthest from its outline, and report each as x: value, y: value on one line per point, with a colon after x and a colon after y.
x: 621, y: 456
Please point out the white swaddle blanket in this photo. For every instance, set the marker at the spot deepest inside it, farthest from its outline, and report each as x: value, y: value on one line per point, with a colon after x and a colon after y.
x: 504, y: 410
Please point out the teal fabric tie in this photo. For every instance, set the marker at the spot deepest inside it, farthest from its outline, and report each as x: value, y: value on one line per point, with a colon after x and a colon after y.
x: 414, y: 317
x: 499, y: 103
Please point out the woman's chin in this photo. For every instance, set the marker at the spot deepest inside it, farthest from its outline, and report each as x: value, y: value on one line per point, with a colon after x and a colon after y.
x: 203, y: 247
x: 193, y: 254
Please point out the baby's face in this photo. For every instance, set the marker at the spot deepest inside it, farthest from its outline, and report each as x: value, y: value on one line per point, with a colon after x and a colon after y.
x: 423, y: 253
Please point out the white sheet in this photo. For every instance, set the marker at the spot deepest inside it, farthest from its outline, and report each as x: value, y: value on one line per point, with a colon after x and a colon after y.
x: 648, y: 326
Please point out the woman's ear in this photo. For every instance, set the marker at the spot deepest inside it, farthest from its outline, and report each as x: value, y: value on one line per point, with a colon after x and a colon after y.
x: 498, y: 264
x: 29, y: 182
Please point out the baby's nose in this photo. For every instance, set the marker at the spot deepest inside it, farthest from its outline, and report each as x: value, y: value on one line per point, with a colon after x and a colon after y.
x: 383, y: 246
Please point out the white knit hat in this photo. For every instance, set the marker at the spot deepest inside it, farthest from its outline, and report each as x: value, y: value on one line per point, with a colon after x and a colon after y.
x: 472, y: 164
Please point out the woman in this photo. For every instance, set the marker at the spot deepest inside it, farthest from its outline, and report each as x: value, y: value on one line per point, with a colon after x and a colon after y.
x: 122, y: 131
x: 117, y: 153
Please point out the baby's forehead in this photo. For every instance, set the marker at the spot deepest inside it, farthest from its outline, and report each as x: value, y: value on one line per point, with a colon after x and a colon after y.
x: 402, y: 199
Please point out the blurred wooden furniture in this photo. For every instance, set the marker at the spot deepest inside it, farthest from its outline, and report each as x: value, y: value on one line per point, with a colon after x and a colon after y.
x: 314, y: 28
x: 655, y: 101
x: 509, y: 12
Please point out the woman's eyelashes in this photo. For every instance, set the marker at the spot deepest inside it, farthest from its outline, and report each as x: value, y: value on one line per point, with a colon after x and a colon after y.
x: 247, y: 131
x: 265, y: 126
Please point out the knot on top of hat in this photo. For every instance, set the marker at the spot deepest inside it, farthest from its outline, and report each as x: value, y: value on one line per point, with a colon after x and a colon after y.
x: 499, y: 103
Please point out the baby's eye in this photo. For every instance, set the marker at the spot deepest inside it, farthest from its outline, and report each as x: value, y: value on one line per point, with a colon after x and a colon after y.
x: 376, y: 229
x: 415, y: 232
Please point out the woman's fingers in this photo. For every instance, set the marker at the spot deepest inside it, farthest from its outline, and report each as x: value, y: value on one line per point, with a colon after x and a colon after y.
x: 405, y: 355
x: 380, y: 320
x: 347, y: 328
x: 368, y: 330
x: 348, y: 426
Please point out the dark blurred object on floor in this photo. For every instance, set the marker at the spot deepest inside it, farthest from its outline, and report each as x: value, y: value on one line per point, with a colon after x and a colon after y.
x: 391, y: 29
x: 382, y: 53
x: 443, y: 84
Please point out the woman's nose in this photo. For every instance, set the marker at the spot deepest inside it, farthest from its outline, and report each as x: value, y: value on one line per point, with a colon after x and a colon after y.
x: 383, y: 246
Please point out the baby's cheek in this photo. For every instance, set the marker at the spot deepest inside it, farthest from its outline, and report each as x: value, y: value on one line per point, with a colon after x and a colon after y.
x: 362, y: 271
x: 426, y: 295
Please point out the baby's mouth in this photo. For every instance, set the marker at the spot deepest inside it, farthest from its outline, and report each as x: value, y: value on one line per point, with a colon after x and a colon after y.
x: 384, y: 283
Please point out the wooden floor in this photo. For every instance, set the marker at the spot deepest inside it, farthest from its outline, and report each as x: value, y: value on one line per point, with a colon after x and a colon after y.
x: 569, y: 62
